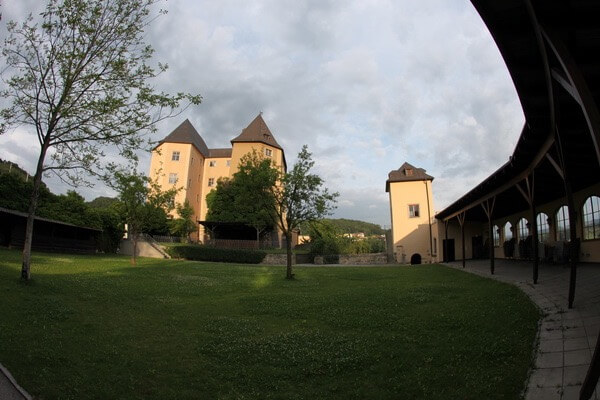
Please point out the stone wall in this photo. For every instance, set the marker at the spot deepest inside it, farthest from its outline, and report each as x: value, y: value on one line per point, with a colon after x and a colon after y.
x: 144, y: 249
x: 363, y: 259
x: 353, y: 259
x: 277, y: 259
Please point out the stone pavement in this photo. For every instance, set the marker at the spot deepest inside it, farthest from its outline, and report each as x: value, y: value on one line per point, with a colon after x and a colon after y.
x: 9, y: 388
x: 567, y: 338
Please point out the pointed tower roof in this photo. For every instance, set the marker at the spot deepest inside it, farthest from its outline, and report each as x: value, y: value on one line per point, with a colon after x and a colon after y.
x: 257, y: 131
x: 186, y: 133
x: 407, y: 173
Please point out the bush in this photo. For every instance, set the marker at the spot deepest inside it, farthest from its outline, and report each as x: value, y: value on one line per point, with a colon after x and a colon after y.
x: 205, y: 253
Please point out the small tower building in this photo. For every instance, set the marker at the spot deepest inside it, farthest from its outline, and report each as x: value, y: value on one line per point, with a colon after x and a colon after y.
x: 411, y: 209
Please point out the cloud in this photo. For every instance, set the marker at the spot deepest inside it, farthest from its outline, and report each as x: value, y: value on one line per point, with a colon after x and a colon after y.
x: 367, y: 84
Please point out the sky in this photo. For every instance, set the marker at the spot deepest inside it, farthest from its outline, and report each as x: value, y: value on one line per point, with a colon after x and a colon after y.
x: 366, y: 84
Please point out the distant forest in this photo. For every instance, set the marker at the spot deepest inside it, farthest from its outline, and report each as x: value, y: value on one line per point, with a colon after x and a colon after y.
x: 344, y: 225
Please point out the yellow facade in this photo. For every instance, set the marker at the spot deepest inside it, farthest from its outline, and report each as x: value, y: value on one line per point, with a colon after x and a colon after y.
x: 411, y: 209
x: 196, y: 168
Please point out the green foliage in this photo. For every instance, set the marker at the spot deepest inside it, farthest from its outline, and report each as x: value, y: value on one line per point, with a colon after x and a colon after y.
x: 184, y: 225
x: 300, y: 197
x: 112, y: 228
x: 15, y: 192
x: 172, y: 329
x: 206, y: 253
x: 102, y: 202
x: 344, y: 225
x: 142, y: 204
x: 246, y: 197
x: 7, y: 167
x: 326, y: 239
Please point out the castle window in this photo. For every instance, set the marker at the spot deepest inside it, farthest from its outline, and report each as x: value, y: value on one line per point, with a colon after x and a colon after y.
x: 408, y: 172
x: 211, y: 181
x: 413, y: 210
x: 175, y: 156
x: 228, y: 162
x: 172, y: 178
x: 212, y: 163
x: 268, y: 152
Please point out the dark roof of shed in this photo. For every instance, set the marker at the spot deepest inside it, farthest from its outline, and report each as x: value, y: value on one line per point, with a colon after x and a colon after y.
x: 186, y: 133
x: 53, y: 221
x: 257, y: 131
x: 515, y: 32
x: 401, y: 175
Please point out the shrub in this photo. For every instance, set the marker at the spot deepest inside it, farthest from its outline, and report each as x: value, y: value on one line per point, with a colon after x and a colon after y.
x: 205, y: 253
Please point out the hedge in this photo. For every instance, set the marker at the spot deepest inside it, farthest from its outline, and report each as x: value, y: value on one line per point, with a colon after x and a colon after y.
x: 204, y: 253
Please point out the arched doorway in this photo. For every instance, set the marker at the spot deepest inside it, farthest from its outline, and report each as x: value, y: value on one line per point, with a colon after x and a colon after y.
x: 415, y: 259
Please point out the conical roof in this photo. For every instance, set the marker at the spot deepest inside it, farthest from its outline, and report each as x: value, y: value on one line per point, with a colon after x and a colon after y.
x: 186, y: 133
x: 257, y: 131
x: 407, y: 173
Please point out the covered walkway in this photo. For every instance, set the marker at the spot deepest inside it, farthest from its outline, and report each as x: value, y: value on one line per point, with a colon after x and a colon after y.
x: 567, y: 337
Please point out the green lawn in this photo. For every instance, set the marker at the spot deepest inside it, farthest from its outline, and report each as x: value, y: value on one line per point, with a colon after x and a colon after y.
x: 93, y: 327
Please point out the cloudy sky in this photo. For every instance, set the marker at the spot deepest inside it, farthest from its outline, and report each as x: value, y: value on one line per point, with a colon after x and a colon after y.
x: 366, y: 84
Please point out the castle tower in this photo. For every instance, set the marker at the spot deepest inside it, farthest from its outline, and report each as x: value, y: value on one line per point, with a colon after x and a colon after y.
x: 411, y: 209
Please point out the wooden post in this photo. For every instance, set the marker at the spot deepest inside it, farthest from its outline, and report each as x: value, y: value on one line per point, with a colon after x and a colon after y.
x: 446, y: 240
x: 528, y: 194
x: 489, y: 210
x: 534, y: 237
x: 461, y: 221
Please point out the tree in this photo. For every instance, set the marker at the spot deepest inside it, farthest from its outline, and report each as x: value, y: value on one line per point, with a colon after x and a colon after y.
x: 184, y: 225
x: 247, y: 197
x: 300, y: 197
x: 80, y: 78
x: 139, y: 199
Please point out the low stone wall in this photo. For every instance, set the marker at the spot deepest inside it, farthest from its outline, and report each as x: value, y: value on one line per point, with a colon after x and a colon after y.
x: 277, y: 259
x: 353, y: 259
x: 144, y: 249
x: 363, y: 259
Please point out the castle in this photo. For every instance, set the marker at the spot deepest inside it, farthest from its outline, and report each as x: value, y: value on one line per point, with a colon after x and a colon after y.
x: 182, y: 159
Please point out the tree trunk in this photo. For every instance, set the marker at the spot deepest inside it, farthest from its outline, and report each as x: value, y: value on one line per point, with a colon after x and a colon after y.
x: 134, y: 240
x: 33, y: 201
x: 288, y: 246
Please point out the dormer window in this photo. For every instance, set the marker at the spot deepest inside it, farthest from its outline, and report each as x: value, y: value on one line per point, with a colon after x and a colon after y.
x: 266, y: 136
x: 408, y: 172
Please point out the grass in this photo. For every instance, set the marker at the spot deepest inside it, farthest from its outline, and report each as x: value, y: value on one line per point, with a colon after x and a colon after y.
x: 93, y: 327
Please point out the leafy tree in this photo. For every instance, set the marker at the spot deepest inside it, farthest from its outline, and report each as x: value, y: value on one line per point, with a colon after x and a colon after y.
x: 80, y: 78
x: 325, y: 238
x: 184, y: 225
x: 140, y: 198
x: 247, y: 197
x: 300, y: 197
x: 109, y: 220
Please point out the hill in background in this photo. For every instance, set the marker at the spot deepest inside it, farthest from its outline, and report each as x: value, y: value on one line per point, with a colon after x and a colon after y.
x: 344, y: 225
